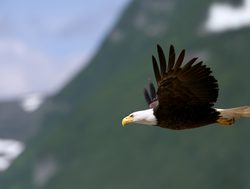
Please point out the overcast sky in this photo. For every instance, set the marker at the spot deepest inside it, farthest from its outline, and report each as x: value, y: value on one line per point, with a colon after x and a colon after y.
x: 42, y: 43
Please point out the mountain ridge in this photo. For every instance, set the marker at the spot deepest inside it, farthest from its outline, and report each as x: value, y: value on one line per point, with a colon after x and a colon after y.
x: 85, y: 141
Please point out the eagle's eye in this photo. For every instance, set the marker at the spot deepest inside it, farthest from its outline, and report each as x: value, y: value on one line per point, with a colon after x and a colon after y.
x: 131, y: 115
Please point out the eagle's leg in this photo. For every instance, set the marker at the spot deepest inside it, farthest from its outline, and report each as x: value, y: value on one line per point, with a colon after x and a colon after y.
x: 225, y: 121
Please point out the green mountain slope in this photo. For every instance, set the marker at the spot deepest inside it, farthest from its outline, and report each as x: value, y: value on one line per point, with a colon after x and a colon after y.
x: 21, y: 128
x: 82, y: 143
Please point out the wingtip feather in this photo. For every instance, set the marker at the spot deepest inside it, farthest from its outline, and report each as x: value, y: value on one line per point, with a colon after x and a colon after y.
x: 180, y: 59
x: 147, y: 96
x: 171, y: 57
x: 156, y: 69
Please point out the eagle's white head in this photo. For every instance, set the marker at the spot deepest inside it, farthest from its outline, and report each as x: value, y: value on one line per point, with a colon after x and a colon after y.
x: 145, y: 117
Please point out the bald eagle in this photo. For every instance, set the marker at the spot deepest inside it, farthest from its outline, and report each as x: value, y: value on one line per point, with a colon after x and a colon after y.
x: 185, y: 96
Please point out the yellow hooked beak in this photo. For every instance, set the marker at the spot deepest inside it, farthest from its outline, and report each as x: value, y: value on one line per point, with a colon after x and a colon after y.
x: 127, y: 120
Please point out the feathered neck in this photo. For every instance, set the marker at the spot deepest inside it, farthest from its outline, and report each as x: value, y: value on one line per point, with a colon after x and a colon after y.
x: 145, y: 117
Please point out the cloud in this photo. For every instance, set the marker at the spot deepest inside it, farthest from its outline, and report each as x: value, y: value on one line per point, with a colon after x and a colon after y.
x: 41, y: 48
x: 26, y: 70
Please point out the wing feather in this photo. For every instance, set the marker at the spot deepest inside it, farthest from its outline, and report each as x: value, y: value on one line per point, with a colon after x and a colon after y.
x: 162, y: 59
x: 150, y: 95
x: 147, y: 96
x: 181, y: 85
x: 152, y: 90
x: 189, y: 64
x: 180, y: 59
x: 171, y: 58
x: 156, y: 70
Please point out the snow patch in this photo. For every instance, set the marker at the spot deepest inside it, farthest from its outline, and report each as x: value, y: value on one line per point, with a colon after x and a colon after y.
x: 31, y: 102
x: 223, y: 16
x: 9, y: 151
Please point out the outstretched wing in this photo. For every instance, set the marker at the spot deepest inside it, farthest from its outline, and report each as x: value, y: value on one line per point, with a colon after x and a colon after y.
x: 185, y: 85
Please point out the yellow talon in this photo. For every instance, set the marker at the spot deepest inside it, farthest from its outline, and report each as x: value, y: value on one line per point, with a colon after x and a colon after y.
x: 225, y: 121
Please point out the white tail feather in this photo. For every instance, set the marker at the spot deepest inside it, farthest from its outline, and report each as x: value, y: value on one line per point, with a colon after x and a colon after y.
x: 227, y: 116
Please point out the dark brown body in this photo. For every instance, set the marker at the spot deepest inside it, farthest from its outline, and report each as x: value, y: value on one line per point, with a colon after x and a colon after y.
x: 186, y: 118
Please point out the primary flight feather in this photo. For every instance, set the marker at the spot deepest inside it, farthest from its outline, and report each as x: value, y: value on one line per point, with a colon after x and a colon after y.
x: 185, y: 96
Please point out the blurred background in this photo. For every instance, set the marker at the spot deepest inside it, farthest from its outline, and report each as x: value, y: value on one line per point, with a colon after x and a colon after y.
x: 70, y: 71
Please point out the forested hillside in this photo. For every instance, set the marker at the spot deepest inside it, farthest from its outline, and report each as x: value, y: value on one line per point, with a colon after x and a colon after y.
x: 82, y: 143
